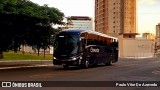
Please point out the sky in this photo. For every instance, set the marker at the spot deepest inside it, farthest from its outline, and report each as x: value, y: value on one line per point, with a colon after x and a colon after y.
x: 148, y: 11
x: 148, y: 15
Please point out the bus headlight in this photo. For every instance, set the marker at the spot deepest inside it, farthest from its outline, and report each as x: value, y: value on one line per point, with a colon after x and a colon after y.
x: 74, y: 58
x: 54, y: 58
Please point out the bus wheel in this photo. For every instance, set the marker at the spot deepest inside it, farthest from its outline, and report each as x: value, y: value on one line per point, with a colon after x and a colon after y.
x: 86, y: 65
x: 94, y: 65
x: 108, y: 63
x: 65, y: 66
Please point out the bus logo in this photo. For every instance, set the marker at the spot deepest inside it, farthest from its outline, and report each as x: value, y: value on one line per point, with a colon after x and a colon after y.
x: 94, y: 50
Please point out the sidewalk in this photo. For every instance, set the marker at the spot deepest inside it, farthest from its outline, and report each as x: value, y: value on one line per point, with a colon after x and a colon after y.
x: 151, y: 58
x: 24, y: 64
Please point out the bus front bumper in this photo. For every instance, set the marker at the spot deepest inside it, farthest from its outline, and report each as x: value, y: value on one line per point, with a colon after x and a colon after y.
x: 70, y: 62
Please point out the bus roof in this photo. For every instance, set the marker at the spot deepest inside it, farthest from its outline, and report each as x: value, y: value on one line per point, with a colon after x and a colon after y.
x: 79, y: 31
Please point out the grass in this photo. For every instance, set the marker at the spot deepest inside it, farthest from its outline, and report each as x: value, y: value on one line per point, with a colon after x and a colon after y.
x: 25, y: 56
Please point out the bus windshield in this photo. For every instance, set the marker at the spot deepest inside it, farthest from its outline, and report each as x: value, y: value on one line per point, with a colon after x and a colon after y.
x: 66, y: 45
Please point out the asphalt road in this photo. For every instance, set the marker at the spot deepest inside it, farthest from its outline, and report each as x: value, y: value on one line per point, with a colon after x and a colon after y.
x: 123, y: 70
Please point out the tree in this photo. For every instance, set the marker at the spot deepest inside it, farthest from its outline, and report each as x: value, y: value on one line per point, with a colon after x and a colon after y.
x: 26, y: 23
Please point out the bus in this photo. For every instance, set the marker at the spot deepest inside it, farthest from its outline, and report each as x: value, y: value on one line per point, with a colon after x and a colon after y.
x: 84, y: 48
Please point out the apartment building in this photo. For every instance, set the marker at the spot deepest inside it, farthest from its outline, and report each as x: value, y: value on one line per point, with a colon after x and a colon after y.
x: 115, y: 16
x: 158, y: 35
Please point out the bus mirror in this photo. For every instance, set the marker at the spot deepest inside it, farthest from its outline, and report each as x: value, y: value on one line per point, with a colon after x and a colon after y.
x: 61, y: 36
x: 82, y: 38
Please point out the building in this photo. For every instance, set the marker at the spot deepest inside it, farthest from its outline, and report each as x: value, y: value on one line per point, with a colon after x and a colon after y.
x: 148, y: 36
x: 157, y: 36
x: 115, y: 16
x: 30, y: 49
x: 80, y: 22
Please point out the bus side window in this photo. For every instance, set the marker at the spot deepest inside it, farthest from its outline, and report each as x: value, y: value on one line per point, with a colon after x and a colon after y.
x: 106, y: 49
x: 110, y: 49
x: 90, y: 42
x: 96, y: 42
x: 105, y: 43
x: 82, y: 44
x: 101, y: 42
x: 103, y: 49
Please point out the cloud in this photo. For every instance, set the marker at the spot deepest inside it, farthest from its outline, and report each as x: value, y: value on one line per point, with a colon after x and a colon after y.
x: 147, y: 2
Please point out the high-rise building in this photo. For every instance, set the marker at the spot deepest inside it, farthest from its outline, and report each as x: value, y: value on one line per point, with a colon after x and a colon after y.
x: 115, y: 16
x: 158, y: 35
x: 79, y: 22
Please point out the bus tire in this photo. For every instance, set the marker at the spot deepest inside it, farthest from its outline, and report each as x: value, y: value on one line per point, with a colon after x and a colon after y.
x: 94, y: 65
x: 86, y: 64
x: 108, y: 63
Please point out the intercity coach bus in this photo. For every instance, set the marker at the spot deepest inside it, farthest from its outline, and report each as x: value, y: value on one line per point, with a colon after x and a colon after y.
x: 84, y: 48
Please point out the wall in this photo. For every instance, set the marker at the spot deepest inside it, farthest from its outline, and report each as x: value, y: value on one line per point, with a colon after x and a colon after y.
x: 135, y: 48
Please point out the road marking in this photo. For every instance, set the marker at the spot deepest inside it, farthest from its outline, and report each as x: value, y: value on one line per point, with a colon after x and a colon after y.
x: 156, y: 72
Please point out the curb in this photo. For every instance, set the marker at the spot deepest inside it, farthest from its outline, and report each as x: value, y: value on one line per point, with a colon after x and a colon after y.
x: 138, y: 58
x: 24, y: 64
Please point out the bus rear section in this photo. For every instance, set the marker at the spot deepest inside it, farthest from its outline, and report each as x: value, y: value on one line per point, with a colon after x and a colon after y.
x: 97, y: 54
